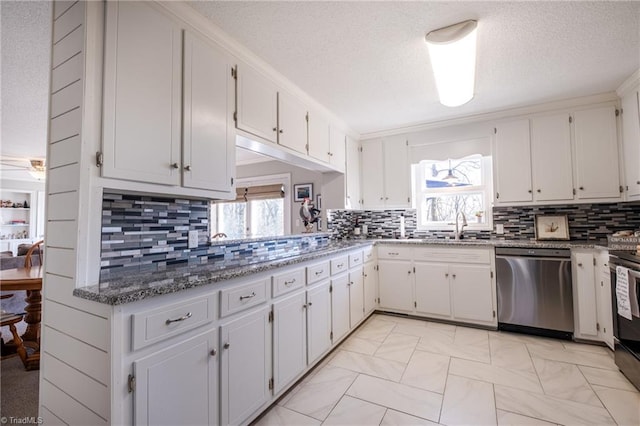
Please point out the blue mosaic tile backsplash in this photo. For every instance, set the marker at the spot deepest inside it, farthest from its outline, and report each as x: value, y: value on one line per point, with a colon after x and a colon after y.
x: 146, y: 233
x: 587, y: 222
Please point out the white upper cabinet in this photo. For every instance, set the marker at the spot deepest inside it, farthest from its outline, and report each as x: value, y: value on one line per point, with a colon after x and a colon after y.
x: 551, y: 157
x: 292, y: 123
x: 337, y: 153
x: 596, y: 146
x: 385, y: 173
x: 142, y: 94
x: 318, y: 136
x: 353, y: 174
x: 257, y: 99
x: 631, y: 142
x: 209, y: 136
x: 513, y: 162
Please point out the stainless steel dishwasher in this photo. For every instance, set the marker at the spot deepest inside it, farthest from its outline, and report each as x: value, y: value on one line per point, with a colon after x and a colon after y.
x: 534, y: 291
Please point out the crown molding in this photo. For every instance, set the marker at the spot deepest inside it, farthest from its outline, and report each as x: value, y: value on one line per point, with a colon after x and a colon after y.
x: 630, y: 83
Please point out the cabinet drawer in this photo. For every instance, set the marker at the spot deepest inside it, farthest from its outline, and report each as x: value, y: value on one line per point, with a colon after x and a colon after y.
x: 236, y: 299
x: 394, y: 252
x: 339, y: 264
x: 355, y: 259
x: 154, y: 325
x: 368, y: 254
x: 317, y: 272
x: 453, y: 254
x: 285, y: 282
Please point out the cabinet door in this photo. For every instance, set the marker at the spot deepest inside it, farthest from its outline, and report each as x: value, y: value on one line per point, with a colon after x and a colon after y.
x: 178, y: 385
x: 209, y: 137
x: 395, y: 285
x: 513, y: 162
x: 631, y: 142
x: 584, y: 296
x: 603, y: 285
x: 289, y: 339
x: 370, y: 287
x: 372, y: 178
x: 257, y: 99
x: 396, y: 173
x: 292, y: 123
x: 356, y: 296
x: 245, y: 361
x: 432, y: 289
x: 340, y: 306
x: 551, y: 158
x: 318, y: 321
x: 596, y: 146
x: 318, y: 136
x: 142, y: 94
x: 337, y: 157
x: 472, y: 293
x: 353, y: 174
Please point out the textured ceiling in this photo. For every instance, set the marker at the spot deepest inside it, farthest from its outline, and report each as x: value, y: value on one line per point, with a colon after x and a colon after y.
x: 367, y: 61
x: 25, y: 36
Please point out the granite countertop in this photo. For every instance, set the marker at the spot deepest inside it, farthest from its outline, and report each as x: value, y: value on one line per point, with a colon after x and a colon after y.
x: 132, y: 287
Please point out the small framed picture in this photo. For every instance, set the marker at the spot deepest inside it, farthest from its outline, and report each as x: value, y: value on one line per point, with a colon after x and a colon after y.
x: 549, y: 227
x: 302, y: 191
x: 319, y: 202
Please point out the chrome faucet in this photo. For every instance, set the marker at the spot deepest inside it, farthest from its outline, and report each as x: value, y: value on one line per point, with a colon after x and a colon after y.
x: 461, y: 229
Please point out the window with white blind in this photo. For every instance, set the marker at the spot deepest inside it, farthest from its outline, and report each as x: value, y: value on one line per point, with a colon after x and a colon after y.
x: 261, y: 209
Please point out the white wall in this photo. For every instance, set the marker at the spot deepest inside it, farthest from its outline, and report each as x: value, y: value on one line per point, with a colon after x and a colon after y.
x: 298, y: 175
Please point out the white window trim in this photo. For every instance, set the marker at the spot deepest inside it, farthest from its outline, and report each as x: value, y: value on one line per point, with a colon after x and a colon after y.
x: 283, y: 178
x: 416, y: 179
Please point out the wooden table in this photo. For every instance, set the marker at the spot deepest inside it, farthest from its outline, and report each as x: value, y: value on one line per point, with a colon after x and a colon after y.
x: 30, y: 280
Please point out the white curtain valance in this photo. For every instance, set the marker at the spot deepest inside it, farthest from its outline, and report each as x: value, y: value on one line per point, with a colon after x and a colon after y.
x: 445, y: 150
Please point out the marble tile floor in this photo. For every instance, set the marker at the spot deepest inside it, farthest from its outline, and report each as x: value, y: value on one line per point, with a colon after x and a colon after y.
x: 402, y: 371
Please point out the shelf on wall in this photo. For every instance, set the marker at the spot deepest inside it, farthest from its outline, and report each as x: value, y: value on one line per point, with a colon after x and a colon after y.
x: 15, y: 208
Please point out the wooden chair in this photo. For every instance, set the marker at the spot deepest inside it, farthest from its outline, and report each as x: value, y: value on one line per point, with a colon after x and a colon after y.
x: 27, y: 256
x: 17, y: 344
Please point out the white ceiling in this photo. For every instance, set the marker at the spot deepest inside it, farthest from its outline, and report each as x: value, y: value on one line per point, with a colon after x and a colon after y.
x: 368, y: 63
x: 365, y: 61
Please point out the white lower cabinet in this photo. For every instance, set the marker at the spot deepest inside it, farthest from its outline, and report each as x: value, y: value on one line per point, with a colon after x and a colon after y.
x: 245, y: 365
x: 318, y: 321
x: 289, y: 339
x: 370, y: 284
x: 471, y: 291
x: 395, y: 285
x: 432, y: 290
x: 339, y: 306
x: 356, y: 296
x: 178, y: 385
x: 592, y: 296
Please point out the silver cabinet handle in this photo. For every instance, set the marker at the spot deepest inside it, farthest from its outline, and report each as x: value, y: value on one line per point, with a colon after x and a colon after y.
x: 213, y: 352
x: 339, y: 265
x: 187, y: 168
x: 350, y: 283
x: 580, y: 265
x: 453, y: 275
x: 182, y: 318
x: 357, y: 259
x: 309, y: 303
x: 226, y: 345
x: 446, y: 275
x: 321, y: 271
x: 253, y: 294
x: 281, y: 131
x: 175, y: 166
x: 393, y: 253
x: 288, y: 283
x: 275, y: 129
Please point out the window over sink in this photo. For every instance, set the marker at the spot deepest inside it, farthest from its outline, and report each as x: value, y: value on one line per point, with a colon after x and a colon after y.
x: 444, y: 189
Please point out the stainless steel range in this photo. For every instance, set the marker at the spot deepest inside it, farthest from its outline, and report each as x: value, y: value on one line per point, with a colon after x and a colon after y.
x: 534, y: 291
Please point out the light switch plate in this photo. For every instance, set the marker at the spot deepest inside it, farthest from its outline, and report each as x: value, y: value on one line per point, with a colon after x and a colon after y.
x: 499, y: 229
x: 193, y: 239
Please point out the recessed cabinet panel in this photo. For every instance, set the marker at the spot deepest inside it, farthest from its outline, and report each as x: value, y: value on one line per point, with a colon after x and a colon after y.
x: 353, y: 174
x: 432, y: 289
x: 471, y: 291
x: 289, y: 339
x: 142, y: 94
x: 586, y: 320
x: 372, y: 176
x: 596, y: 146
x: 396, y: 289
x: 551, y: 158
x: 337, y: 153
x: 257, y: 104
x: 292, y: 123
x: 356, y: 296
x: 209, y: 137
x: 370, y: 287
x: 318, y: 321
x: 340, y: 306
x: 318, y: 137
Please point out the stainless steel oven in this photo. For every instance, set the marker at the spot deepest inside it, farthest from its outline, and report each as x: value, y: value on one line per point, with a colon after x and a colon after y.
x: 626, y: 331
x: 535, y: 292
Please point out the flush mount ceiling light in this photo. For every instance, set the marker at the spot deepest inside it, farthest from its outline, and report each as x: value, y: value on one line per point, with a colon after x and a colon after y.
x: 37, y: 169
x: 452, y: 51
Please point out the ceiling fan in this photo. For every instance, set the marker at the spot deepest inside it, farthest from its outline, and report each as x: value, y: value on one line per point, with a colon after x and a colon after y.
x: 35, y: 167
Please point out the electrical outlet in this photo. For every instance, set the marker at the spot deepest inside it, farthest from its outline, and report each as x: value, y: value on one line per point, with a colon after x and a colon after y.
x: 499, y: 229
x: 193, y: 239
